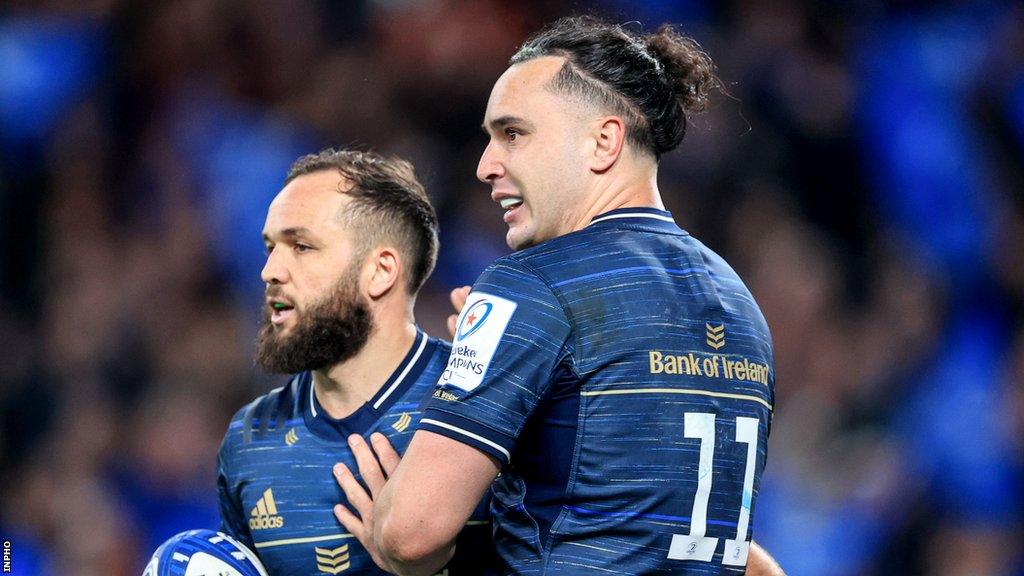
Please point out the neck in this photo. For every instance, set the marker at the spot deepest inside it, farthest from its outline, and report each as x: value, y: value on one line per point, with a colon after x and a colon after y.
x: 615, y: 192
x: 344, y: 387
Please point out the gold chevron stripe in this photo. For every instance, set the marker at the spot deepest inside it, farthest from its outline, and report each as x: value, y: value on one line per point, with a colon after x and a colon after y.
x: 332, y: 557
x: 403, y: 422
x: 336, y: 570
x: 715, y: 345
x: 332, y: 561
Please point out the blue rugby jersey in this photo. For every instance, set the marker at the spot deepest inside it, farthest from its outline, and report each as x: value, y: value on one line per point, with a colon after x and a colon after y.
x: 623, y: 375
x: 275, y: 482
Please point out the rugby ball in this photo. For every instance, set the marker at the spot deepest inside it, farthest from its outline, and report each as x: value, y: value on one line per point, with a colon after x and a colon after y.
x: 203, y: 553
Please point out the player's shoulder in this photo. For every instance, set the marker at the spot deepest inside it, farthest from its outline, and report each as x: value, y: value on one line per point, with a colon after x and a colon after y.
x: 518, y: 270
x: 265, y: 414
x: 553, y: 250
x: 563, y: 256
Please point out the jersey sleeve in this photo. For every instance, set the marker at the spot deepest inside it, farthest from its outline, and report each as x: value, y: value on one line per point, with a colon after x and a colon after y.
x: 232, y: 517
x: 511, y: 339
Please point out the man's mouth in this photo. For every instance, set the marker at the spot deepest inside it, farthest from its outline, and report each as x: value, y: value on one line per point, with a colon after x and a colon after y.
x: 511, y: 205
x: 511, y: 202
x: 280, y: 311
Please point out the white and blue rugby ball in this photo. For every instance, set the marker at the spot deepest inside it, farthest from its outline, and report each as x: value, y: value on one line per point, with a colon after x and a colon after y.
x: 203, y: 553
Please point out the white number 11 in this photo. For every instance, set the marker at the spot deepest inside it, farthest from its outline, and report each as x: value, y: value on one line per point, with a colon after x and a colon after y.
x: 695, y: 545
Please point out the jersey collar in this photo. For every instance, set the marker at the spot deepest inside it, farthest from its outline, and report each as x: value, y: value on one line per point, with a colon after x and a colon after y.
x: 363, y: 419
x: 651, y: 218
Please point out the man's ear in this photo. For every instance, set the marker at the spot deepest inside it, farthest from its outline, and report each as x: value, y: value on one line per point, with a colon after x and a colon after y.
x: 609, y: 134
x: 384, y: 269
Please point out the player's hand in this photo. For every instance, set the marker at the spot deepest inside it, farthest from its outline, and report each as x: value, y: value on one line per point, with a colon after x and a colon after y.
x: 374, y: 469
x: 458, y: 296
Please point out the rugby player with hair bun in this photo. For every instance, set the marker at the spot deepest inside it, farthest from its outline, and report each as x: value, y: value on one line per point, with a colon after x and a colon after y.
x: 613, y: 378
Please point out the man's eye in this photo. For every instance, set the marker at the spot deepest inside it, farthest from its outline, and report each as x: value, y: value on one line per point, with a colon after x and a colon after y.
x: 511, y: 134
x: 302, y: 248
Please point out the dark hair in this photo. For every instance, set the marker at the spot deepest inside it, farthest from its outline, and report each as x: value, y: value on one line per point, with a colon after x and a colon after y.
x: 388, y: 202
x: 653, y: 80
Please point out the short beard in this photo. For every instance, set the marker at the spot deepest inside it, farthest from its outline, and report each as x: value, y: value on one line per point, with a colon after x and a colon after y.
x: 329, y: 332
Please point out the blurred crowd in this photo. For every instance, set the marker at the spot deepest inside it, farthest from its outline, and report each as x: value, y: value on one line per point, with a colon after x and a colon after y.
x: 864, y: 174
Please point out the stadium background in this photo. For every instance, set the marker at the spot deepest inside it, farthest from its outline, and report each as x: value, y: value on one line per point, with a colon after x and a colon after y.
x: 866, y: 180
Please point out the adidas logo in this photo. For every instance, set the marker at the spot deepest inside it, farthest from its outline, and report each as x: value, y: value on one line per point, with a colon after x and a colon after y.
x: 715, y: 335
x: 291, y: 437
x: 403, y: 422
x: 332, y: 560
x: 264, y: 515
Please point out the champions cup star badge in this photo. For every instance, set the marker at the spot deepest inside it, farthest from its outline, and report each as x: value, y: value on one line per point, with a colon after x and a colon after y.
x: 474, y: 319
x: 479, y: 330
x: 715, y: 335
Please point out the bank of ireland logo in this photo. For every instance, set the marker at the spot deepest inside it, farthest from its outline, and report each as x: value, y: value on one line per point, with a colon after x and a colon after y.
x: 473, y: 320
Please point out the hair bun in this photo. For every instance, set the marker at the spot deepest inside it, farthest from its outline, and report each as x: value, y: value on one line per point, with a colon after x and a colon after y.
x: 689, y: 70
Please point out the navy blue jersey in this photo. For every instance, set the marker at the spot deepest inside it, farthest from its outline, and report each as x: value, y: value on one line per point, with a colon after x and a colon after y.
x: 623, y: 375
x: 275, y: 482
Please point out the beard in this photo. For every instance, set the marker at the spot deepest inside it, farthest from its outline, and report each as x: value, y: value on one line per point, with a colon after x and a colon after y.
x: 331, y: 330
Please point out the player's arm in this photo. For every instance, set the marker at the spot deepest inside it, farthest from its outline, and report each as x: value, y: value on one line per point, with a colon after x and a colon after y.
x: 410, y: 527
x: 510, y: 338
x: 428, y: 501
x: 760, y: 563
x: 369, y: 504
x: 511, y: 330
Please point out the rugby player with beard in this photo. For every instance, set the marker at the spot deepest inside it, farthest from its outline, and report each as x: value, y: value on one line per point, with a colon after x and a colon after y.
x: 350, y: 239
